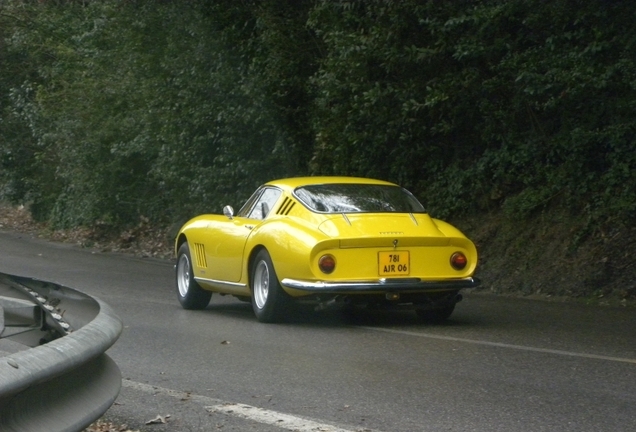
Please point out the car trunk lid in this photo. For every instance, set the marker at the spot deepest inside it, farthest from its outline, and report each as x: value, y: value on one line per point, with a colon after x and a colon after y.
x: 384, y: 230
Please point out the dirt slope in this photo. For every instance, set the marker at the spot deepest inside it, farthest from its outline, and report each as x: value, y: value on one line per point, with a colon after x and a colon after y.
x: 554, y: 256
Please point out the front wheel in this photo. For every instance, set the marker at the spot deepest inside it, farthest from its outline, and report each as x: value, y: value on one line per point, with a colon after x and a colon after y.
x: 190, y: 294
x: 268, y: 298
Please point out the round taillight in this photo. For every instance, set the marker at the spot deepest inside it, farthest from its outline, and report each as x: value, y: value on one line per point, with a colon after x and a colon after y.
x: 458, y: 261
x: 327, y: 264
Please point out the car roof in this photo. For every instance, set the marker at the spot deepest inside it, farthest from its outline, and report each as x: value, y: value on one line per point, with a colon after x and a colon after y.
x: 294, y: 182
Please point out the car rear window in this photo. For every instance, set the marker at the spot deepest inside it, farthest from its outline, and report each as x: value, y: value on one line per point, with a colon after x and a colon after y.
x: 358, y: 198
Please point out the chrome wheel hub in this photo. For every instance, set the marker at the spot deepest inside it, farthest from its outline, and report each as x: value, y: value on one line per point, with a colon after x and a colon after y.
x: 261, y: 284
x: 183, y: 275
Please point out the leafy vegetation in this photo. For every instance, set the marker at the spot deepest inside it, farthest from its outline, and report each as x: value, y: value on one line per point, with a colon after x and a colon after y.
x: 113, y: 111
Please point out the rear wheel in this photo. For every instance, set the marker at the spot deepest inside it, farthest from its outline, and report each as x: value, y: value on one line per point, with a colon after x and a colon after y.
x: 268, y: 298
x: 437, y: 315
x: 190, y: 294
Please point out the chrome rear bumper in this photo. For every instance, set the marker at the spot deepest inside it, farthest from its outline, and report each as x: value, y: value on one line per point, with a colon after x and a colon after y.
x: 381, y: 285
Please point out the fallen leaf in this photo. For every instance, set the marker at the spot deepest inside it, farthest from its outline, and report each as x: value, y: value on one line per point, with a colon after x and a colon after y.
x: 159, y: 420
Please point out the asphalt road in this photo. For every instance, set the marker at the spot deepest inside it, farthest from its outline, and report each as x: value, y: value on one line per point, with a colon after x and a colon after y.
x: 499, y: 364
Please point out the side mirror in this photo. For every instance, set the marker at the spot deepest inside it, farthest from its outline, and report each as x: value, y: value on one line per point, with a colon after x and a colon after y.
x: 228, y: 211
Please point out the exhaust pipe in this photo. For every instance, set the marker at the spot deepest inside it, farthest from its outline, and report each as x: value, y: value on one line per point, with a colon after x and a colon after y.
x: 333, y: 303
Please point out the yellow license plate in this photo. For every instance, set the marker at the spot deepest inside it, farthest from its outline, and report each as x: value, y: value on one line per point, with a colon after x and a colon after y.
x: 394, y: 263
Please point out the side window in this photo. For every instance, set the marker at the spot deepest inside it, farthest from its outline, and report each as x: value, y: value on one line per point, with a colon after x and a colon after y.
x: 247, y: 207
x: 264, y: 204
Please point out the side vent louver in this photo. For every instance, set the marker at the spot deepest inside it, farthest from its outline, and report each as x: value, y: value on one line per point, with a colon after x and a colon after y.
x: 287, y: 205
x: 199, y: 255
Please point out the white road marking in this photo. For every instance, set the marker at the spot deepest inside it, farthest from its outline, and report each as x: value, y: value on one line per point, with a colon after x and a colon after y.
x: 504, y: 345
x: 274, y: 418
x: 248, y: 412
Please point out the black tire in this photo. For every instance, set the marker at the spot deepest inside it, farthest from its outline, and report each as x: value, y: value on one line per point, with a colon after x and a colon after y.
x: 269, y: 301
x: 435, y: 316
x: 189, y: 292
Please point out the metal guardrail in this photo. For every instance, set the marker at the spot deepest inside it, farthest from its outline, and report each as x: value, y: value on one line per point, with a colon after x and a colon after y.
x: 58, y: 379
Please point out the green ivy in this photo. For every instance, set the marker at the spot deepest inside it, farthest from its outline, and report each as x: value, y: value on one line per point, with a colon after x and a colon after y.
x: 113, y: 110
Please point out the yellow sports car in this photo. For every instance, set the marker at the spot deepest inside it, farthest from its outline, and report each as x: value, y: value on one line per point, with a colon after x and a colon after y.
x: 328, y: 240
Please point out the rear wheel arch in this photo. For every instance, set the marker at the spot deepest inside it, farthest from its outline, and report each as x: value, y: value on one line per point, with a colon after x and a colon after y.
x: 250, y: 262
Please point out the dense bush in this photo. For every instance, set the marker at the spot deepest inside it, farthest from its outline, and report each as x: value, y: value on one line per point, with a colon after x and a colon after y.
x: 114, y: 110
